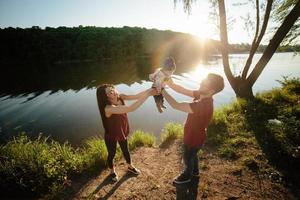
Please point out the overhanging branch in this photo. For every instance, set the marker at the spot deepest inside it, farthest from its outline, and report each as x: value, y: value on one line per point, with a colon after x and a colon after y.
x: 256, y: 43
x: 280, y: 34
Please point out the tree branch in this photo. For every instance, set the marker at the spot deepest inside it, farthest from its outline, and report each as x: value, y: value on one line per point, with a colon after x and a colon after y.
x: 256, y: 43
x: 282, y: 31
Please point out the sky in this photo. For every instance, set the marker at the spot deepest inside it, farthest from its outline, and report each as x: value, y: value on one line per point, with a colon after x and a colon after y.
x: 159, y: 14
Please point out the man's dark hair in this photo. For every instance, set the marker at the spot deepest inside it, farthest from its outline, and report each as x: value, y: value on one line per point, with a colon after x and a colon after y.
x: 216, y: 82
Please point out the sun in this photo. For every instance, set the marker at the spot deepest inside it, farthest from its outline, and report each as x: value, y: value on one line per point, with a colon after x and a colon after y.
x: 196, y: 76
x: 202, y: 32
x: 199, y: 23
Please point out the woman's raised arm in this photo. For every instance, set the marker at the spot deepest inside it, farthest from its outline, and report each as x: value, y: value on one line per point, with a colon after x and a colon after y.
x: 121, y: 109
x: 133, y: 96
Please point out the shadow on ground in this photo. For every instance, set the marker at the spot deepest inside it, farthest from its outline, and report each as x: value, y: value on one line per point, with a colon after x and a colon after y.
x: 107, y: 181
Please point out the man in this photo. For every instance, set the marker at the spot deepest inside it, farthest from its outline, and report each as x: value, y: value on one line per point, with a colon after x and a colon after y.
x: 200, y: 113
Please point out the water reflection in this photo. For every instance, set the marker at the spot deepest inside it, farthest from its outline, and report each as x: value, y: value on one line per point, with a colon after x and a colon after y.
x: 60, y: 100
x: 31, y: 81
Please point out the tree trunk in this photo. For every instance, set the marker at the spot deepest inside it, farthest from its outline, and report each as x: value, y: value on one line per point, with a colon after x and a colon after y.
x: 224, y: 42
x: 242, y: 88
x: 238, y: 84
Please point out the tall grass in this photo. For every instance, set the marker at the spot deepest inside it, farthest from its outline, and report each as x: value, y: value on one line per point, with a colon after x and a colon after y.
x: 44, y: 166
x: 94, y: 153
x: 140, y: 138
x: 37, y: 166
x: 268, y: 123
x: 171, y: 132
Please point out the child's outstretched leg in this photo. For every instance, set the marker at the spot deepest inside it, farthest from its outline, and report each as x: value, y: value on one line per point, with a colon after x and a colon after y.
x: 162, y: 103
x: 158, y: 103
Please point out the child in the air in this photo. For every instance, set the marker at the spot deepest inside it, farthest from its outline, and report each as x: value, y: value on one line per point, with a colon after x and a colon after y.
x: 159, y: 77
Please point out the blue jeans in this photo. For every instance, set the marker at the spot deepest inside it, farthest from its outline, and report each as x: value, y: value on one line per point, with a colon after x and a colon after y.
x: 190, y: 159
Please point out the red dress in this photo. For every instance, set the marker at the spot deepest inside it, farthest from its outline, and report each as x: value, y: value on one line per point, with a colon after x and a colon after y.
x: 117, y: 126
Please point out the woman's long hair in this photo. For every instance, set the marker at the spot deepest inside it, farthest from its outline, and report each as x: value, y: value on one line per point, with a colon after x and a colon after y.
x: 102, y: 102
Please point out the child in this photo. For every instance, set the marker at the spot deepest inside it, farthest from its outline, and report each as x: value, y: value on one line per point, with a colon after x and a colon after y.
x: 160, y: 76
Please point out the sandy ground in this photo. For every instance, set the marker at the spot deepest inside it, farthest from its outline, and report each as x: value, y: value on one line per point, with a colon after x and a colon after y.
x: 219, y: 179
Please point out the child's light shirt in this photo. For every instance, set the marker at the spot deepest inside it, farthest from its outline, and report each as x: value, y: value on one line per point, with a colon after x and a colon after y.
x: 158, y: 78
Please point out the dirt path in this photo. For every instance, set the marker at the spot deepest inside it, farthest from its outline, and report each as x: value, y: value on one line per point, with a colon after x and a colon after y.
x: 220, y: 179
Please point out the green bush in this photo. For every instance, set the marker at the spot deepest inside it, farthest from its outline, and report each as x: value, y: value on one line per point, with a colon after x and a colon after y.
x: 228, y: 151
x: 37, y: 166
x: 140, y: 138
x: 217, y: 130
x: 171, y: 132
x: 94, y: 153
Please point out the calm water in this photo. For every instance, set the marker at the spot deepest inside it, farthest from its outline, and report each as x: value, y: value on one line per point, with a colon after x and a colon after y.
x: 62, y: 102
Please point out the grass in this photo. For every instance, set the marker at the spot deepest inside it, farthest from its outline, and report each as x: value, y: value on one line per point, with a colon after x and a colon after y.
x: 268, y: 123
x: 37, y: 166
x: 94, y: 153
x: 140, y: 138
x: 171, y: 132
x: 44, y: 166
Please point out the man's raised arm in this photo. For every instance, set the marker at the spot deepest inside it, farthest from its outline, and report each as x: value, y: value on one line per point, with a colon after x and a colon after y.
x: 180, y: 89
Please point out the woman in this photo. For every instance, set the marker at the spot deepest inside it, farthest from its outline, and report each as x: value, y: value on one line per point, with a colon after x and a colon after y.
x: 115, y: 121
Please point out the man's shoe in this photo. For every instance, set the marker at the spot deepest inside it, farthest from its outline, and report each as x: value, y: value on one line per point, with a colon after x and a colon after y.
x: 134, y: 170
x: 196, y: 174
x: 182, y: 179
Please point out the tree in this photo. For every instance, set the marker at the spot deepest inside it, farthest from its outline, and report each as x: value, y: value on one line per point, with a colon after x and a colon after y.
x: 242, y: 84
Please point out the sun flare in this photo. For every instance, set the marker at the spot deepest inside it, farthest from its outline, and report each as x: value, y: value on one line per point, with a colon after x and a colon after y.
x: 202, y: 32
x: 197, y: 75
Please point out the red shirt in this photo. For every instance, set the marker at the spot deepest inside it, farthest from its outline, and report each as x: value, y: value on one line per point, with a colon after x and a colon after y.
x: 117, y: 127
x: 198, y: 121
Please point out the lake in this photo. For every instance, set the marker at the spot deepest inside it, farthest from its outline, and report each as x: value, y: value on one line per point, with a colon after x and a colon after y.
x: 60, y: 101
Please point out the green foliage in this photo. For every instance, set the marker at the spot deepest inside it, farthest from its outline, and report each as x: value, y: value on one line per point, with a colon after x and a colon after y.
x: 217, y: 130
x: 228, y: 151
x: 94, y: 153
x: 286, y: 103
x: 283, y: 7
x: 269, y: 121
x: 290, y: 84
x: 65, y: 44
x: 171, y: 132
x: 236, y: 126
x: 41, y: 166
x: 140, y: 138
x: 227, y: 120
x: 38, y: 165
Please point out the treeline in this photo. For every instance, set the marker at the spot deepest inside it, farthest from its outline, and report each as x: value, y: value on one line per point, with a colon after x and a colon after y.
x: 245, y: 48
x: 80, y: 44
x: 63, y: 44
